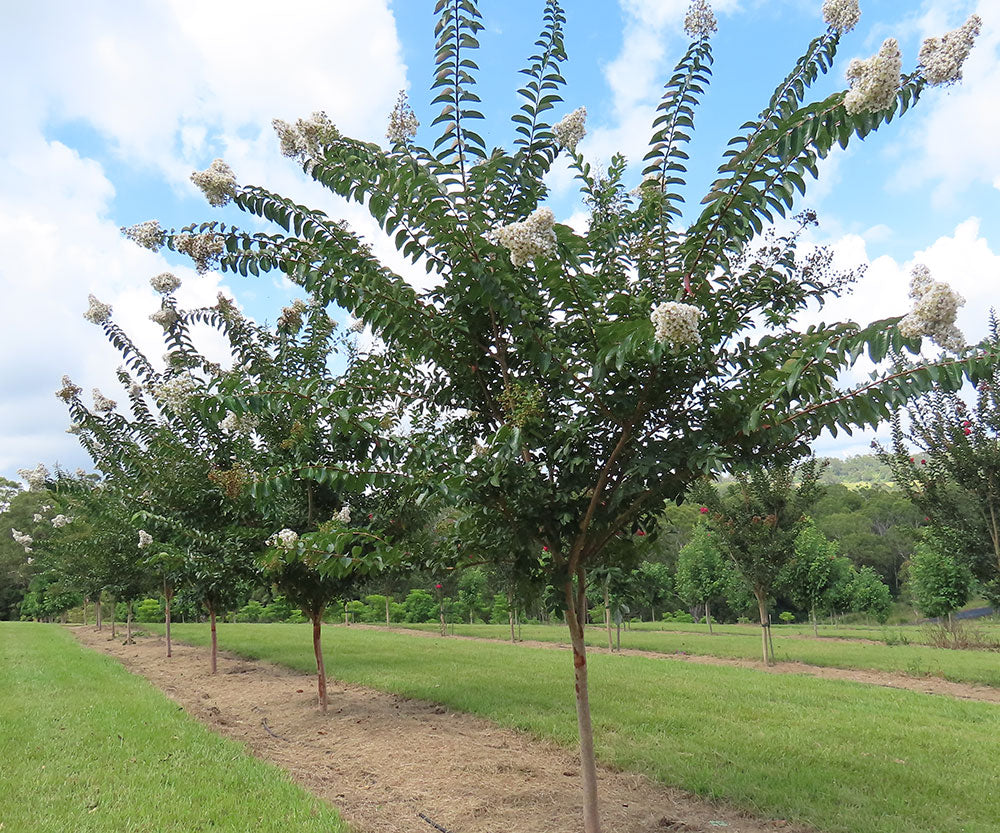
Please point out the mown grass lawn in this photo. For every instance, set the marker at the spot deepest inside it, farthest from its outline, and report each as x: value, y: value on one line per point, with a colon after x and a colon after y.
x: 86, y: 747
x: 916, y: 660
x: 839, y: 756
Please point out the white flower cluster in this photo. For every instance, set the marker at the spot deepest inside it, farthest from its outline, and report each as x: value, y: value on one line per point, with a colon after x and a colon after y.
x: 530, y: 238
x: 942, y: 58
x: 286, y: 539
x: 307, y: 138
x: 103, y: 404
x: 238, y: 423
x: 165, y: 282
x: 841, y: 14
x: 204, y: 249
x: 356, y: 326
x: 97, y: 313
x: 145, y: 539
x: 874, y: 82
x: 22, y: 538
x: 165, y: 317
x: 403, y: 122
x: 59, y: 521
x: 933, y: 315
x: 217, y: 183
x: 344, y: 515
x: 68, y: 390
x: 291, y: 316
x: 37, y: 518
x: 149, y: 235
x: 176, y: 392
x: 35, y: 478
x: 135, y: 390
x: 700, y: 22
x: 571, y: 129
x: 74, y: 428
x: 676, y: 324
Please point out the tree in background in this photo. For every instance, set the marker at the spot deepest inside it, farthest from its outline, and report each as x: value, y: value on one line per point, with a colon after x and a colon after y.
x: 702, y: 574
x: 757, y: 522
x: 940, y: 583
x: 948, y: 463
x: 807, y: 576
x: 870, y: 595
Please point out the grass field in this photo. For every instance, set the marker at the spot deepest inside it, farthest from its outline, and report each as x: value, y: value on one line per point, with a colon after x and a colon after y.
x: 916, y: 660
x: 840, y: 756
x: 89, y: 748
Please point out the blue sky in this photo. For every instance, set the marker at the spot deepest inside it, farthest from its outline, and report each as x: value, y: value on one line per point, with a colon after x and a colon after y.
x: 120, y: 102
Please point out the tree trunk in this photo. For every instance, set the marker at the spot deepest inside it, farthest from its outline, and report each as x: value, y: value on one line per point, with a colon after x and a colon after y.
x: 618, y: 632
x: 85, y: 600
x: 215, y: 641
x: 815, y: 623
x: 607, y: 615
x: 588, y: 765
x: 128, y: 625
x: 708, y: 617
x: 114, y: 612
x: 98, y: 611
x: 652, y: 611
x: 168, y: 594
x: 317, y: 621
x: 387, y: 611
x: 764, y: 624
x: 510, y: 615
x: 444, y: 627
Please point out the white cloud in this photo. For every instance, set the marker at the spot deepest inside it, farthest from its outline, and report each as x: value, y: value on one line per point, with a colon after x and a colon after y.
x: 953, y: 142
x: 208, y: 82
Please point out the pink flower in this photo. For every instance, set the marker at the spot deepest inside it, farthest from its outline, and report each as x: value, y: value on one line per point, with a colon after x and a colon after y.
x: 545, y: 549
x: 438, y: 586
x: 640, y: 532
x: 703, y: 510
x: 967, y: 431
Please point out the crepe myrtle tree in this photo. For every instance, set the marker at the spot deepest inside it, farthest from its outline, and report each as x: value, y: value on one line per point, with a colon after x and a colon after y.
x: 177, y: 466
x: 946, y: 458
x: 702, y: 573
x: 757, y: 521
x: 602, y: 370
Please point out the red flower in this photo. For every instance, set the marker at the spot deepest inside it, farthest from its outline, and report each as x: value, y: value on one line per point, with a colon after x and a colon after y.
x: 926, y: 518
x: 912, y: 460
x: 703, y: 510
x: 369, y: 517
x: 640, y: 532
x: 923, y: 462
x: 438, y: 586
x: 966, y: 423
x: 545, y: 549
x: 967, y: 431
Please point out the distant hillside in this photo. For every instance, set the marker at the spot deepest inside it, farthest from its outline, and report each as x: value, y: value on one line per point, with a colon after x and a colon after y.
x: 861, y: 470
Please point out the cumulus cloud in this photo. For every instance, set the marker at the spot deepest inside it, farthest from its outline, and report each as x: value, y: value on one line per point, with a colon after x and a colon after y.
x: 154, y: 108
x: 968, y: 110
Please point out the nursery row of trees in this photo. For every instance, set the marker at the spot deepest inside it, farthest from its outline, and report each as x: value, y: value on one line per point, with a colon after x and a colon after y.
x: 552, y: 390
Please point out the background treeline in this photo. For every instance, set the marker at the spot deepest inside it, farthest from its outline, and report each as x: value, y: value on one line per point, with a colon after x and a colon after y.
x: 871, y: 530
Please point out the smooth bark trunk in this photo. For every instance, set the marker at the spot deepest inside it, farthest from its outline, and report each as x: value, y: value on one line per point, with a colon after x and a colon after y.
x: 85, y: 600
x: 98, y: 613
x: 128, y: 625
x: 510, y: 615
x: 317, y: 621
x: 607, y: 616
x: 708, y: 617
x: 387, y: 611
x: 215, y: 641
x: 815, y: 623
x: 588, y: 765
x: 444, y: 627
x: 114, y: 612
x: 168, y: 595
x: 764, y: 625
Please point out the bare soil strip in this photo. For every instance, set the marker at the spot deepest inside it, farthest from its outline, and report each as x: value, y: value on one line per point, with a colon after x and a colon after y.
x: 888, y: 679
x: 383, y: 759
